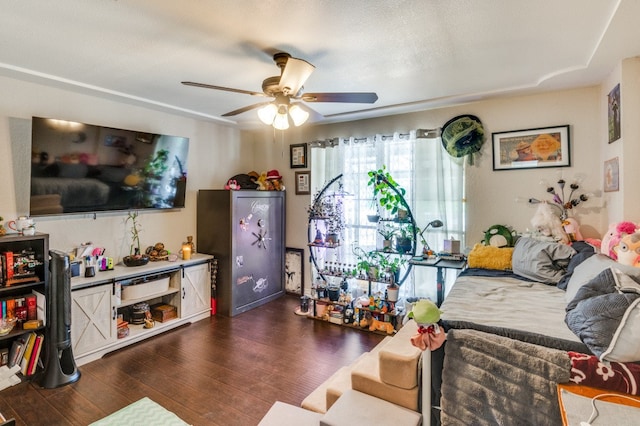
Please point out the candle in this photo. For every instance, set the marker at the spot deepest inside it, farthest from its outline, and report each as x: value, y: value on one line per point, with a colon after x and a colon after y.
x: 186, y: 251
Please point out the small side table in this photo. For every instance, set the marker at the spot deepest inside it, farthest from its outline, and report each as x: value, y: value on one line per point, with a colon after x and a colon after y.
x: 441, y: 264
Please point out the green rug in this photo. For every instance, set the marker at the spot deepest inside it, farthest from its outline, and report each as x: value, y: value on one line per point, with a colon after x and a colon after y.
x: 143, y: 411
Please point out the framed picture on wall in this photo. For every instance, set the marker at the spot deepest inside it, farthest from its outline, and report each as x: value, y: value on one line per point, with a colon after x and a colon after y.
x: 294, y: 270
x: 303, y: 183
x: 611, y: 175
x: 613, y: 107
x: 531, y: 148
x: 298, y: 156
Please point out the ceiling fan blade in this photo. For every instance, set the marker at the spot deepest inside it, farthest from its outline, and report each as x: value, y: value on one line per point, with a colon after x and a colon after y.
x: 294, y: 75
x: 353, y: 97
x: 226, y: 89
x: 245, y: 109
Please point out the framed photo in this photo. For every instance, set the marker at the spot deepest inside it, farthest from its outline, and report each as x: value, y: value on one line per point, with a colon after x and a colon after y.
x: 294, y: 270
x: 611, y: 175
x: 613, y: 107
x: 531, y: 148
x: 298, y: 156
x: 303, y: 183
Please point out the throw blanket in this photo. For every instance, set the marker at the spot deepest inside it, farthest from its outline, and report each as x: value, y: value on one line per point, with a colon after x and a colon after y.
x: 587, y: 370
x: 494, y: 380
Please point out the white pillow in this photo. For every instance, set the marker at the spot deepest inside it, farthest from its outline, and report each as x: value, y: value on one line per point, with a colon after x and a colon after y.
x: 590, y: 268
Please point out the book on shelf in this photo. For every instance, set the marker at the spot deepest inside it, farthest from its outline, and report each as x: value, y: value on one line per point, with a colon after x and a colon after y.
x: 7, y: 266
x: 17, y: 351
x: 35, y: 355
x: 24, y: 362
x: 32, y: 306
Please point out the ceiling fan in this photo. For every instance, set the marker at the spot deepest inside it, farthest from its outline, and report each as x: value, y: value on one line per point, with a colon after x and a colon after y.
x: 285, y: 88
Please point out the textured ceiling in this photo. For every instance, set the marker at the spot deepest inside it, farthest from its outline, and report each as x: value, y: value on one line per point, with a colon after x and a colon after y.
x: 415, y: 54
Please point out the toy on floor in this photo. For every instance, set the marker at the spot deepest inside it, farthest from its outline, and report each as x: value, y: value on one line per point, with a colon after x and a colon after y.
x: 614, y: 235
x: 628, y: 251
x: 430, y: 336
x: 376, y: 325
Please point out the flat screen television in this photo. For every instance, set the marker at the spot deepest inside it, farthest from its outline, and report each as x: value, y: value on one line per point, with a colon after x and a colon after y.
x: 84, y: 168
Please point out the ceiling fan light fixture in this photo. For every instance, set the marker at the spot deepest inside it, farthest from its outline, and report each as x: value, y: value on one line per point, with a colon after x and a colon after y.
x: 298, y: 115
x: 268, y: 113
x: 281, y: 120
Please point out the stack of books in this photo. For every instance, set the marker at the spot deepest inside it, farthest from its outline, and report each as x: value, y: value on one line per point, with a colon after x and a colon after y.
x: 23, y: 358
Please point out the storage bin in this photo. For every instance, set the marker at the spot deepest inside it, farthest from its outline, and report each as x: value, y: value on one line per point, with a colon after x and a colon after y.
x: 145, y: 289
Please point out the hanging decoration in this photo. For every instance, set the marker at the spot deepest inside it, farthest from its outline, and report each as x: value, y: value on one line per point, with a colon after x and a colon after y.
x: 463, y: 135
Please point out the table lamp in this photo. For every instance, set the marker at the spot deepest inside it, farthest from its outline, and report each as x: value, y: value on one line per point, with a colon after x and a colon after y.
x: 426, y: 250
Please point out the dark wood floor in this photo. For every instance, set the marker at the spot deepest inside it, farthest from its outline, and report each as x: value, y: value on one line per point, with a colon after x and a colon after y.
x: 219, y: 371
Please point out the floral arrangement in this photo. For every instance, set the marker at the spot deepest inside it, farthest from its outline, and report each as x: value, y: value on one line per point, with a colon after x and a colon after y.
x: 558, y: 197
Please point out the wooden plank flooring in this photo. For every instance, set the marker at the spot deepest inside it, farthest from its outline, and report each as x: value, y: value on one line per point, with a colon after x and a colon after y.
x: 218, y: 371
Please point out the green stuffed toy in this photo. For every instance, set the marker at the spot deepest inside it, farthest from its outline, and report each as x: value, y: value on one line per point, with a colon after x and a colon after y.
x: 426, y: 314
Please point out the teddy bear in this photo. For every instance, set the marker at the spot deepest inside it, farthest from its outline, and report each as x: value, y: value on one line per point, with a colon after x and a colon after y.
x: 548, y: 223
x: 614, y: 234
x: 628, y: 250
x: 430, y: 336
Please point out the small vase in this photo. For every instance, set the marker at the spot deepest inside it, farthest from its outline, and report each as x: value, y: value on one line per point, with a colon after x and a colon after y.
x: 386, y: 245
x: 392, y: 293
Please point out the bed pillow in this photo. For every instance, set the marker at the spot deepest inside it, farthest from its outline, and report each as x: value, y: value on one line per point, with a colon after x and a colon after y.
x: 490, y: 257
x: 590, y: 268
x: 541, y: 261
x: 605, y: 315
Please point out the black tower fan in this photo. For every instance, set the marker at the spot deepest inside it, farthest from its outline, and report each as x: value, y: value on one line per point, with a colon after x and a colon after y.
x: 59, y: 366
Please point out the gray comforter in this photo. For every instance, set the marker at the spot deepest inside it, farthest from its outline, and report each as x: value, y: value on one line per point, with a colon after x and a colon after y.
x: 494, y: 380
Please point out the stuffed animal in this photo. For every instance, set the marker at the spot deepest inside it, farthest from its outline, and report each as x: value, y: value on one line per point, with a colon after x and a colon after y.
x: 499, y: 236
x: 628, y: 250
x: 376, y: 325
x: 614, y: 234
x: 263, y: 183
x: 572, y: 229
x: 430, y: 336
x: 548, y: 223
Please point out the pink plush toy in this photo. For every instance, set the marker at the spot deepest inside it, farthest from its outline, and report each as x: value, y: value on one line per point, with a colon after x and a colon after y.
x: 614, y: 234
x: 628, y: 250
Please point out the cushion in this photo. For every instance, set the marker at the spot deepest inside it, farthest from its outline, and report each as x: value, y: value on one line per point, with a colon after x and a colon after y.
x: 75, y: 171
x: 282, y: 414
x: 357, y: 408
x: 605, y: 314
x: 490, y: 257
x: 590, y: 268
x: 542, y: 261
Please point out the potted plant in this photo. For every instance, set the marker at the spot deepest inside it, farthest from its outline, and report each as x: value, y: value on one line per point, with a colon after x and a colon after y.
x: 404, y: 239
x: 368, y: 262
x: 386, y: 190
x: 391, y: 265
x: 333, y: 213
x: 135, y: 258
x: 387, y: 232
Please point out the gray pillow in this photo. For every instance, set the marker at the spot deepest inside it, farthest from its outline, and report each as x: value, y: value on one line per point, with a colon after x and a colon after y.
x: 590, y: 268
x: 541, y: 261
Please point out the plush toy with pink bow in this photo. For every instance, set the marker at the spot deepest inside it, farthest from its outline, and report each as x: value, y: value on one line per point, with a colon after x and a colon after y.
x: 430, y: 335
x: 614, y: 235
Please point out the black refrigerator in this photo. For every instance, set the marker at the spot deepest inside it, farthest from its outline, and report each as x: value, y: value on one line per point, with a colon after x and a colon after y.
x: 245, y: 231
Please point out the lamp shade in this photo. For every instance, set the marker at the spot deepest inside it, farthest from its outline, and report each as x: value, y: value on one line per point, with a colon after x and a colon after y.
x: 298, y: 115
x: 267, y: 113
x: 281, y: 121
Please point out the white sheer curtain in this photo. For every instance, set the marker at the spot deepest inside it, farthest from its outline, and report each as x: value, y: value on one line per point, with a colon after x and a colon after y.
x: 433, y: 180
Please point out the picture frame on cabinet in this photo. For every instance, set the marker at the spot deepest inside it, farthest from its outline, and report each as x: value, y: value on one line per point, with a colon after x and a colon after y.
x: 294, y: 270
x: 298, y: 156
x: 303, y: 183
x: 531, y: 148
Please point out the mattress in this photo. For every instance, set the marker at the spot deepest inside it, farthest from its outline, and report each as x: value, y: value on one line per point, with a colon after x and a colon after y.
x: 511, y: 307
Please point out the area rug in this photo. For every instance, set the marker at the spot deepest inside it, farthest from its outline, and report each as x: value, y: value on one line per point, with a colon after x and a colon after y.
x: 143, y: 411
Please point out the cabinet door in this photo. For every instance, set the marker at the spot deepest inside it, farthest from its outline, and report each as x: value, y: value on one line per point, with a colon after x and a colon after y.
x: 92, y: 319
x: 196, y: 290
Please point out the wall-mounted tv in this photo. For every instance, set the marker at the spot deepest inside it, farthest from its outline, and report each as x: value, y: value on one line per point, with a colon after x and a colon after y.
x: 83, y: 168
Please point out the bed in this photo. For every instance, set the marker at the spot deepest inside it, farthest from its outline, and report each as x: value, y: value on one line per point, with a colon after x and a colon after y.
x: 509, y: 342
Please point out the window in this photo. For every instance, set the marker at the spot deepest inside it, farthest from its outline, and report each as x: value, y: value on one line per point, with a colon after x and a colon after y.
x: 433, y: 180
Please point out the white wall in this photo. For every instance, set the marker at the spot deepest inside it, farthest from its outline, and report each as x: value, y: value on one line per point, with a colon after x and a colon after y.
x: 490, y: 194
x: 215, y: 153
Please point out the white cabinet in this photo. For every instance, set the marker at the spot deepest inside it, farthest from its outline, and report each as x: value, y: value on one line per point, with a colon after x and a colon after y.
x: 95, y: 305
x: 93, y: 322
x: 196, y: 290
